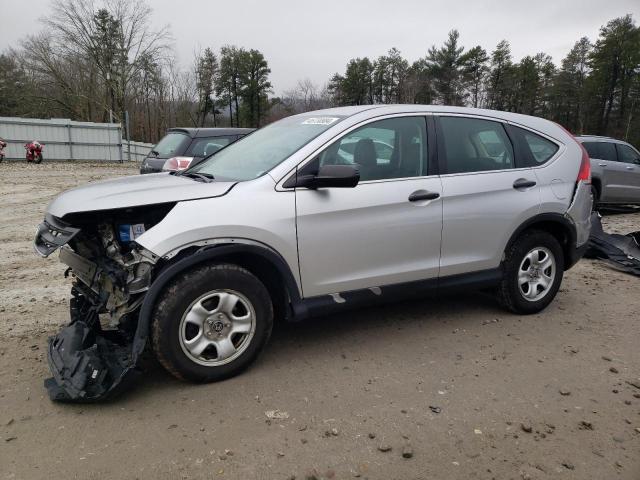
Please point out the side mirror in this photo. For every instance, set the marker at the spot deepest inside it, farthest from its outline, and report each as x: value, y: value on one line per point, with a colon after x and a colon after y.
x: 329, y: 176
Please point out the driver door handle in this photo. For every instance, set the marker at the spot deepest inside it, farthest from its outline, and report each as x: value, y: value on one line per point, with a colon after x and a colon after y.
x: 522, y: 183
x: 422, y: 195
x: 630, y: 168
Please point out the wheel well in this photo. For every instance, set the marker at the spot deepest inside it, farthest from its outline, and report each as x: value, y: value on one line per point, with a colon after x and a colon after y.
x: 561, y: 232
x: 267, y: 273
x: 598, y: 186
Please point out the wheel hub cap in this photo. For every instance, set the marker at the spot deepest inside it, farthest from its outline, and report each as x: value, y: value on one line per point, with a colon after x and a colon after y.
x: 536, y: 274
x: 217, y: 327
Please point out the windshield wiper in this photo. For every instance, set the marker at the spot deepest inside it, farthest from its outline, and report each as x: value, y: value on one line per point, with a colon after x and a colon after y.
x: 155, y: 152
x: 200, y: 177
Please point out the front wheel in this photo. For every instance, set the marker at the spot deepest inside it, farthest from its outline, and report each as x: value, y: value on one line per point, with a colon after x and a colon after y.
x: 533, y: 269
x: 211, y: 323
x: 39, y: 158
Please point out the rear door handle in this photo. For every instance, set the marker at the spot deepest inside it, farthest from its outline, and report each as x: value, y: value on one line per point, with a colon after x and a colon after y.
x: 422, y: 195
x: 630, y: 168
x: 522, y: 183
x: 602, y: 164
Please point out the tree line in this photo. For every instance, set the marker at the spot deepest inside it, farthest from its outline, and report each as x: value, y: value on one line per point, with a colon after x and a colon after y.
x: 103, y: 61
x: 595, y: 89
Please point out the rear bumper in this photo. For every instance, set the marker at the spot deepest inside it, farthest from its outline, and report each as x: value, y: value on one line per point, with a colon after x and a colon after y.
x: 575, y: 254
x: 579, y: 212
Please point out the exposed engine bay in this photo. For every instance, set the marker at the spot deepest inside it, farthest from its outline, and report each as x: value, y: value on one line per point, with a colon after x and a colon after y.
x: 96, y: 354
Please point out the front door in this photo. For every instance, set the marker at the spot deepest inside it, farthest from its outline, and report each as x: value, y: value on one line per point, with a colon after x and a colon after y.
x: 384, y: 231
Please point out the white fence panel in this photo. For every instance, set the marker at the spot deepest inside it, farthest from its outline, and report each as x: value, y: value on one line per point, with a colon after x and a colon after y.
x: 69, y: 140
x: 138, y: 151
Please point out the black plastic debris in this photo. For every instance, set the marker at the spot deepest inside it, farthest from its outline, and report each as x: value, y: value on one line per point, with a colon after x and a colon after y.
x: 88, y: 363
x: 621, y: 252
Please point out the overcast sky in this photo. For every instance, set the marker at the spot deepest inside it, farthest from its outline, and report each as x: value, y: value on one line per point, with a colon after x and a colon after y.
x: 316, y: 38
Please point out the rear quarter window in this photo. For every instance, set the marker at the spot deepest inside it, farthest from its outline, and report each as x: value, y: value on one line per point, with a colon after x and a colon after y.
x: 533, y: 150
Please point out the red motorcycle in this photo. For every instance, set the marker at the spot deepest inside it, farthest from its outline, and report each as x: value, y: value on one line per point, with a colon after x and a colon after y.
x: 34, y: 151
x: 3, y: 145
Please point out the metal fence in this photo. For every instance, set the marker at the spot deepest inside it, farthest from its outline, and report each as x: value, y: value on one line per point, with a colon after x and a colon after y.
x: 135, y: 151
x: 69, y: 140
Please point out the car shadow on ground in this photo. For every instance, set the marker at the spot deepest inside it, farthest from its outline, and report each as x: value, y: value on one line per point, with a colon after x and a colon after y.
x: 617, y: 210
x: 290, y: 340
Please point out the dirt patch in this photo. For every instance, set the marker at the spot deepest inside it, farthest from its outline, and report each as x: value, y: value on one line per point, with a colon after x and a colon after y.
x: 450, y: 388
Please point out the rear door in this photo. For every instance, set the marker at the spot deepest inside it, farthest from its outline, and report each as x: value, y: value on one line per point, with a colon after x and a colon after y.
x: 485, y: 196
x: 629, y: 173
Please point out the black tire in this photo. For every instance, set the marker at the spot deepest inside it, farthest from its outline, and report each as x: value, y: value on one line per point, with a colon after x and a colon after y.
x: 38, y: 159
x: 176, y: 300
x: 595, y: 196
x: 510, y: 294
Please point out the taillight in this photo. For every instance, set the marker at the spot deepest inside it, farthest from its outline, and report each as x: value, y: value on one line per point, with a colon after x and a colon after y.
x: 176, y: 164
x: 584, y: 174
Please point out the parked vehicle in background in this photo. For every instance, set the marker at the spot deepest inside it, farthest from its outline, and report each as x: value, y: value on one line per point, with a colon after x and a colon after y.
x: 615, y: 170
x: 284, y: 224
x: 34, y: 151
x: 183, y: 147
x: 3, y: 145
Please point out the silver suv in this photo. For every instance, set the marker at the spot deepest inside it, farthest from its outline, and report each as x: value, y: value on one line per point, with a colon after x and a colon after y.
x: 314, y: 213
x: 615, y: 168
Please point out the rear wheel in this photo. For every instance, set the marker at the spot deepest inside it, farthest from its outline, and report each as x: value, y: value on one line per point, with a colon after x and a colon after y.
x: 533, y: 269
x: 594, y: 196
x: 211, y: 323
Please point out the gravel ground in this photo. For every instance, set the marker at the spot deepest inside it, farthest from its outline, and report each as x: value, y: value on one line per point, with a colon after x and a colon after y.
x: 453, y: 388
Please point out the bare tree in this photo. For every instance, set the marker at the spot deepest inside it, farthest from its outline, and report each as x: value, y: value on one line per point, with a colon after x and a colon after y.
x: 114, y: 36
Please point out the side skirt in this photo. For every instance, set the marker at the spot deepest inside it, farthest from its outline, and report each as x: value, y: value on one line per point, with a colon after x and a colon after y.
x: 342, y: 301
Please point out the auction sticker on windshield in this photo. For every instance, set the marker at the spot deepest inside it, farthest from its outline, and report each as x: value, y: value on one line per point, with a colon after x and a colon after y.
x: 319, y: 121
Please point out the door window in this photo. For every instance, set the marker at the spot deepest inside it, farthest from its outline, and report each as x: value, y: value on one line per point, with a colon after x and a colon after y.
x: 601, y: 150
x: 475, y: 145
x: 391, y: 148
x: 627, y: 154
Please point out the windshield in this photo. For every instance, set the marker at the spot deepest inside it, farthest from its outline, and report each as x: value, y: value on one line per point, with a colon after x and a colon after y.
x: 203, y: 147
x: 256, y: 154
x: 171, y: 145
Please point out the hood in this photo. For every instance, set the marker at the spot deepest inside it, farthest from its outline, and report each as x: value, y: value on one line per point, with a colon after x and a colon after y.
x: 134, y: 191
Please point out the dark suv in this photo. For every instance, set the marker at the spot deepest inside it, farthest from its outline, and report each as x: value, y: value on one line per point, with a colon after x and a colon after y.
x: 188, y: 146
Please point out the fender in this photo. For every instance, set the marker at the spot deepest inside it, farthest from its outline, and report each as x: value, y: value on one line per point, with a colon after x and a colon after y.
x: 146, y: 310
x: 561, y: 221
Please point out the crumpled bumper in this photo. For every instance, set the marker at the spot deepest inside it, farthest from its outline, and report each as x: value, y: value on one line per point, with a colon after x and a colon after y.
x: 87, y: 363
x: 621, y: 252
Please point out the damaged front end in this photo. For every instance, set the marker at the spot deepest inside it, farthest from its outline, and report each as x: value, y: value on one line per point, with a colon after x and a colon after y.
x: 95, y: 356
